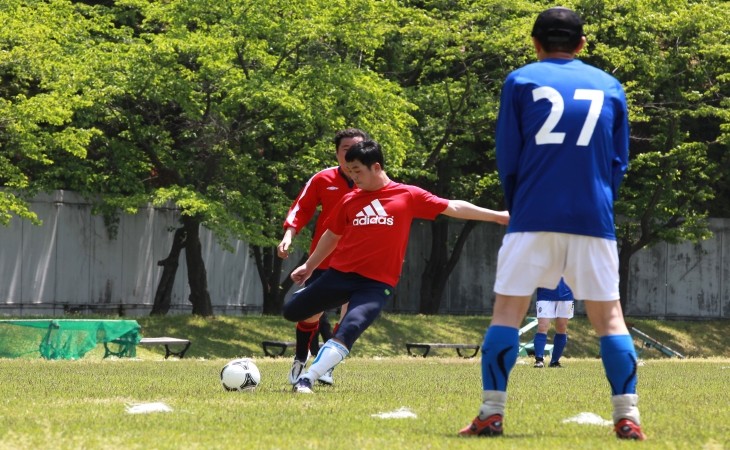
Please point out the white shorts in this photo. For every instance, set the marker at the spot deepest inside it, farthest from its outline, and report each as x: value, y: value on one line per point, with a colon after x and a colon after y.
x: 554, y: 309
x: 531, y: 260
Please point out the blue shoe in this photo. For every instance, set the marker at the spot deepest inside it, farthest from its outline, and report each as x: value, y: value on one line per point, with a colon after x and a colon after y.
x: 303, y: 386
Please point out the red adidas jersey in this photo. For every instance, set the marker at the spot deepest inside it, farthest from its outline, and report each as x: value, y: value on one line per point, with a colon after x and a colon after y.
x: 375, y: 226
x: 325, y: 188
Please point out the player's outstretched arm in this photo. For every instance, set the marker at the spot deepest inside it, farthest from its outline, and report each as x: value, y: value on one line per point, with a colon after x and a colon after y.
x: 283, y: 248
x: 326, y: 245
x: 465, y: 210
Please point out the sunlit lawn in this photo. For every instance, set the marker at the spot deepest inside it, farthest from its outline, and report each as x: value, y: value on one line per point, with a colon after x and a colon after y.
x: 83, y: 404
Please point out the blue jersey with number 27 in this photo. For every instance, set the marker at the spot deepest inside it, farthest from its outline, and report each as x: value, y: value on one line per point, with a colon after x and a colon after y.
x: 562, y: 147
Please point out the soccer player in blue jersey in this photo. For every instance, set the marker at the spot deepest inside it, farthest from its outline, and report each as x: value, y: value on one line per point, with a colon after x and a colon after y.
x: 562, y: 150
x: 552, y: 304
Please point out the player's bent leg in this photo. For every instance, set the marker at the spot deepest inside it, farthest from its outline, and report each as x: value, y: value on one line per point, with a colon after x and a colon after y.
x: 365, y: 306
x: 327, y: 292
x: 331, y: 354
x: 499, y: 354
x: 306, y: 332
x: 325, y: 329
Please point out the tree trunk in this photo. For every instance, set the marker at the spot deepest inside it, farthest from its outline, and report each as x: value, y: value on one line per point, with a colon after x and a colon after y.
x: 170, y: 264
x: 288, y: 282
x: 197, y: 275
x: 439, y: 265
x: 268, y: 266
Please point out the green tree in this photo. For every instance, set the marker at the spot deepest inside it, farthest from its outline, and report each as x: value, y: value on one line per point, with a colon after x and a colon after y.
x: 451, y: 59
x: 44, y: 47
x: 672, y: 58
x: 226, y: 108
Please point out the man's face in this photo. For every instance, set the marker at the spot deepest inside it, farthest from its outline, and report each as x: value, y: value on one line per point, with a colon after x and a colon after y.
x: 342, y: 149
x: 365, y: 178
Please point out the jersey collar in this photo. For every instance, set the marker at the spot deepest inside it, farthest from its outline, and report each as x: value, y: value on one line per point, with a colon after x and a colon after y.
x: 350, y: 183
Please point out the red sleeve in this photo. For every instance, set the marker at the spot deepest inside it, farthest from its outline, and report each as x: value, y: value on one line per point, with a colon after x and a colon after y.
x: 337, y: 221
x: 304, y: 207
x: 426, y: 205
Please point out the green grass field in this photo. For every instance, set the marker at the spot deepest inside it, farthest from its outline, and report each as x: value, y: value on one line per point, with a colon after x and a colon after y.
x: 83, y: 404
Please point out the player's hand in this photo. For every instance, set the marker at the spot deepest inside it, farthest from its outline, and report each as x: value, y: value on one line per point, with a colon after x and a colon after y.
x: 283, y: 248
x: 502, y: 217
x: 301, y: 274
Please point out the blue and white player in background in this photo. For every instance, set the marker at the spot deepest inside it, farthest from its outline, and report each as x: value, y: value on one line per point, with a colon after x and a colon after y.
x: 562, y: 150
x: 552, y: 304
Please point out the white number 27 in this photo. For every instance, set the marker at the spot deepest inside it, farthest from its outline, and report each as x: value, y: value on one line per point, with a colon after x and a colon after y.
x: 546, y: 135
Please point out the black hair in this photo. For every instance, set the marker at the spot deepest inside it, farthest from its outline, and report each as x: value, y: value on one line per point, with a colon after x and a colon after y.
x: 558, y: 29
x: 569, y: 46
x: 368, y: 152
x: 349, y: 133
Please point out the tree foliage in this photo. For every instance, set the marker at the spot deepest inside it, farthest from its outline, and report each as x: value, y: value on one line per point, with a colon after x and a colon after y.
x: 227, y: 107
x: 674, y: 61
x: 43, y: 55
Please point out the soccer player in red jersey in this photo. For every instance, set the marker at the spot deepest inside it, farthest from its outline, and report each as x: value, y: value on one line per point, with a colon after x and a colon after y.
x: 369, y: 228
x: 326, y: 188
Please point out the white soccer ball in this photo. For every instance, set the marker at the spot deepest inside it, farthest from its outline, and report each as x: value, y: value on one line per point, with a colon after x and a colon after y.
x: 240, y: 375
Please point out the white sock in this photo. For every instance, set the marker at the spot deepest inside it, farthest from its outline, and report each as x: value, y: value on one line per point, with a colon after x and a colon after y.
x: 624, y: 407
x: 331, y: 354
x: 492, y: 403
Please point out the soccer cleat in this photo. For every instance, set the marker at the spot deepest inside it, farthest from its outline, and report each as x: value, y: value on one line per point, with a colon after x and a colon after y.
x: 556, y: 364
x: 303, y: 386
x: 297, y: 369
x: 626, y: 429
x: 492, y: 426
x: 327, y: 378
x: 539, y: 364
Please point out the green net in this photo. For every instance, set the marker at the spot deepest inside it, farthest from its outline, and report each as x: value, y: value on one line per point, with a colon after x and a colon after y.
x: 67, y: 338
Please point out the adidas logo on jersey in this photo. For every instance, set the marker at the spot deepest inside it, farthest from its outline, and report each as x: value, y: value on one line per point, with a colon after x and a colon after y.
x: 373, y: 214
x: 332, y: 188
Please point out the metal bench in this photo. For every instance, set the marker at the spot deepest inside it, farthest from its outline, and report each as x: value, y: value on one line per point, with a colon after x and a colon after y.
x: 428, y: 346
x: 650, y: 342
x: 166, y: 341
x: 280, y: 345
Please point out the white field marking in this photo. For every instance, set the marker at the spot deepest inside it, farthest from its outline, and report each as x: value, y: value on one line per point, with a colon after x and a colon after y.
x: 586, y: 418
x: 377, y: 358
x: 641, y: 363
x: 521, y: 362
x: 403, y: 413
x: 144, y: 408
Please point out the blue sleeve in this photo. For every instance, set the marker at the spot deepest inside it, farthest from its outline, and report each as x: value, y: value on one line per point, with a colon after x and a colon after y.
x: 509, y: 140
x: 620, y: 143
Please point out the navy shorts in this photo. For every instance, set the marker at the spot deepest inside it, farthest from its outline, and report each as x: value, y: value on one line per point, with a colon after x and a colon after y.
x: 332, y: 289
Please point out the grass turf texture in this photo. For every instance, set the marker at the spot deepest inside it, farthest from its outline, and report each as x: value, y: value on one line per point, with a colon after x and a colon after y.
x: 82, y: 404
x: 241, y: 336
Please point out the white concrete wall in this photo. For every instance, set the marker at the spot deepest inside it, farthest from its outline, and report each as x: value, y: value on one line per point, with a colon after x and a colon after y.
x: 70, y: 264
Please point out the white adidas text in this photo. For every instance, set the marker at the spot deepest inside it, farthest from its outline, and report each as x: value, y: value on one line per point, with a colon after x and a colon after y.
x: 377, y: 220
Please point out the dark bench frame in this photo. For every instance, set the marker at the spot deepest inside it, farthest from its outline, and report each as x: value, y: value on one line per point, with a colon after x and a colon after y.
x: 428, y: 346
x: 281, y: 345
x: 166, y: 341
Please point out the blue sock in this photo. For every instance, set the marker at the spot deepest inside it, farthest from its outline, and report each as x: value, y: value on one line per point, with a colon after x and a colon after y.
x: 619, y: 361
x: 539, y: 343
x: 499, y: 354
x: 559, y: 341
